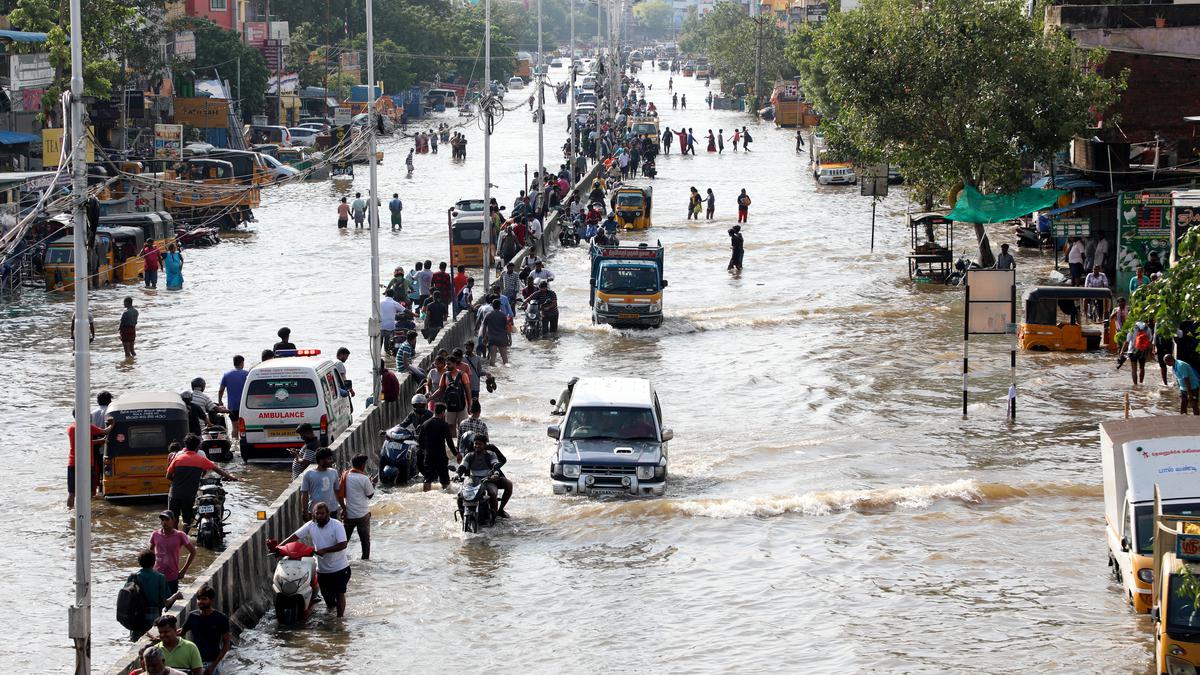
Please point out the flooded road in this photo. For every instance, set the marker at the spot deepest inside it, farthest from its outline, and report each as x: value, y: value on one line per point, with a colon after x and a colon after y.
x: 828, y: 510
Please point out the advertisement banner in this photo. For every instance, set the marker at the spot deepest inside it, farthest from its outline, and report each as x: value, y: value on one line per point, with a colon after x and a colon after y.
x: 168, y: 141
x: 1074, y: 226
x: 52, y: 140
x: 185, y: 45
x: 202, y: 112
x: 28, y: 100
x: 1143, y: 225
x: 256, y: 33
x: 29, y: 71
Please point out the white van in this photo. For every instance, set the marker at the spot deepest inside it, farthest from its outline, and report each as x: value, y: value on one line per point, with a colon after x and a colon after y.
x: 284, y: 392
x: 1136, y: 454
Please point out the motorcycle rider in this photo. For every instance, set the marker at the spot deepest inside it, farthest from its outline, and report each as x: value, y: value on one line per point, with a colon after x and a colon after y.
x: 420, y: 413
x: 484, y: 462
x: 210, y: 408
x: 548, y: 301
x: 185, y: 471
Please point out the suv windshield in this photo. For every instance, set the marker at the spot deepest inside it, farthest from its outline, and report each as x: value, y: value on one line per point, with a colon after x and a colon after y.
x: 626, y: 424
x: 281, y: 393
x: 629, y: 280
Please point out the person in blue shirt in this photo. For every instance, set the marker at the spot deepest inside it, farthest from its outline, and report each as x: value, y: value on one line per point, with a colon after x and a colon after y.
x: 1139, y: 279
x: 233, y: 381
x: 1189, y: 384
x: 396, y: 207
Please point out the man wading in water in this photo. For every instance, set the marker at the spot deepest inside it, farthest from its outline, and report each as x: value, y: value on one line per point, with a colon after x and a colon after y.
x: 738, y: 246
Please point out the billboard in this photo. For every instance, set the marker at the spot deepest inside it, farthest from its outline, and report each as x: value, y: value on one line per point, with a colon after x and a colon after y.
x: 168, y: 141
x: 1143, y: 225
x: 202, y: 112
x: 29, y: 71
x: 52, y: 140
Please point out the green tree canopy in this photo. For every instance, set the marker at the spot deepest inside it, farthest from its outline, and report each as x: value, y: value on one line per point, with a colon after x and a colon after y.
x: 729, y: 38
x: 653, y: 18
x: 955, y: 91
x: 1175, y: 298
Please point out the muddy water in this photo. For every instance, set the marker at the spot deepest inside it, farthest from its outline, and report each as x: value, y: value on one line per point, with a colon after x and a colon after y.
x: 829, y: 510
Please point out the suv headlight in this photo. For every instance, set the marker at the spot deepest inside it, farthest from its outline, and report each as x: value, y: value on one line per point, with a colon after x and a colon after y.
x: 570, y: 470
x: 1146, y: 574
x: 1179, y: 667
x: 645, y: 472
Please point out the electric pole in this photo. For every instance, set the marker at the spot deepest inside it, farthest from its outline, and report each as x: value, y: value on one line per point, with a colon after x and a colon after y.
x: 759, y: 22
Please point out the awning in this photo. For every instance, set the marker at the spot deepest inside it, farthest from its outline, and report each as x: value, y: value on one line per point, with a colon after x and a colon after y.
x: 1065, y: 183
x: 974, y: 207
x: 21, y: 36
x: 1077, y: 205
x: 17, y: 138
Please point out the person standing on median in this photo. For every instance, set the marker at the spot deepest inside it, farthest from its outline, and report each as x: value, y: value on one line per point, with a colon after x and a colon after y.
x: 354, y: 494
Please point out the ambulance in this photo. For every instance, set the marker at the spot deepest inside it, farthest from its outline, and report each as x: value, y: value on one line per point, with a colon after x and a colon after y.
x: 297, y: 386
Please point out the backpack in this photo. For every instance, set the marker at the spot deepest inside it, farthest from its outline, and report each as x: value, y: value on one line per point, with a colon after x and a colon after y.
x: 131, y: 604
x: 454, y: 397
x: 1141, y: 341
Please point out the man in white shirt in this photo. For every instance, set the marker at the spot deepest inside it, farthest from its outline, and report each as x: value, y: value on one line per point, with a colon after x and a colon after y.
x: 388, y: 309
x: 356, y: 491
x: 328, y: 538
x: 540, y: 273
x: 1075, y: 257
x: 533, y: 235
x: 1100, y: 254
x: 1096, y: 279
x: 99, y: 414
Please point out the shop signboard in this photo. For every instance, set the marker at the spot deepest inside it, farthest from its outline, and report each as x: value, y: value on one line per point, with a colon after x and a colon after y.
x: 1073, y: 226
x: 29, y: 71
x: 202, y: 112
x: 168, y: 141
x: 1143, y: 226
x: 52, y: 140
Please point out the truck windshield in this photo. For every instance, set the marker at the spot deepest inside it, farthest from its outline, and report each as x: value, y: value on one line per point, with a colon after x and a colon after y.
x: 281, y: 393
x: 1183, y: 616
x: 643, y: 128
x: 1144, y: 515
x: 629, y: 280
x: 626, y: 424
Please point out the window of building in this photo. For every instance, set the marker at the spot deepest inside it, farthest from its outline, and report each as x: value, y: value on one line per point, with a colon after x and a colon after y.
x: 218, y: 5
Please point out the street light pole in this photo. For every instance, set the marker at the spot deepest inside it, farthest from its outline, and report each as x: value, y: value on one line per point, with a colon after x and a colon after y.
x: 373, y: 208
x: 79, y: 617
x: 571, y: 120
x: 487, y: 144
x: 541, y: 101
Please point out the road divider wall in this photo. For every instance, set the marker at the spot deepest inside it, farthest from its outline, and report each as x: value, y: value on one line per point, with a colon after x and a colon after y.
x: 242, y: 574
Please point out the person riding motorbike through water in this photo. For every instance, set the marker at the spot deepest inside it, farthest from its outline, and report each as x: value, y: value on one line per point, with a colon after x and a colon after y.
x: 485, y: 461
x: 212, y: 411
x: 420, y: 413
x: 548, y: 301
x: 610, y: 225
x: 597, y: 193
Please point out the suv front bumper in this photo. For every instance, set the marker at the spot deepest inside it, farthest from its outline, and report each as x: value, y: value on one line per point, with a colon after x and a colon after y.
x: 605, y: 486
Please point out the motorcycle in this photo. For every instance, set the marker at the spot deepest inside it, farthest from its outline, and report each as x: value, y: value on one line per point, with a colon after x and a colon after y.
x: 211, y: 514
x: 532, y: 329
x: 214, y: 441
x: 398, y: 457
x: 959, y: 276
x: 474, y: 507
x: 294, y: 582
x: 568, y: 235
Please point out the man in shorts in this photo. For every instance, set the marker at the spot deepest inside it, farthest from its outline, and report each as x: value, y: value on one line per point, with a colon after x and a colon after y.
x: 233, y: 382
x: 328, y: 537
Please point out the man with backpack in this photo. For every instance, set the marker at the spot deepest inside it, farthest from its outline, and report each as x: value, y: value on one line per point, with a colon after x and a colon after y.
x: 454, y: 390
x: 1141, y: 347
x: 143, y: 597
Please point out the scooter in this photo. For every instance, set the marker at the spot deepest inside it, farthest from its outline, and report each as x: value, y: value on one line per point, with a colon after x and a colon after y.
x: 214, y: 441
x: 294, y: 582
x: 474, y: 508
x: 398, y: 457
x: 211, y: 514
x: 568, y: 235
x: 959, y: 276
x: 532, y: 328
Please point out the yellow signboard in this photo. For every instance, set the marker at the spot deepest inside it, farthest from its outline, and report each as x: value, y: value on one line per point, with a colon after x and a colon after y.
x: 202, y: 113
x: 52, y: 145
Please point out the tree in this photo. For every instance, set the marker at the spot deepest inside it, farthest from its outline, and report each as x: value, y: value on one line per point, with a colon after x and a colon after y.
x: 1175, y: 298
x: 955, y: 91
x: 217, y: 53
x: 115, y: 33
x: 654, y: 17
x: 729, y: 38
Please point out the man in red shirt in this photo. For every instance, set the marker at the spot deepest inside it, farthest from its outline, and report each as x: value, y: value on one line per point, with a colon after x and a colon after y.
x: 443, y: 283
x: 519, y: 231
x: 185, y: 471
x: 460, y: 280
x: 151, y: 260
x: 389, y: 385
x: 98, y: 437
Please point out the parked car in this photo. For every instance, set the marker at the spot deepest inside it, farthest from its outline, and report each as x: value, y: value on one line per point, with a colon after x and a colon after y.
x: 278, y: 170
x: 516, y: 83
x: 304, y: 136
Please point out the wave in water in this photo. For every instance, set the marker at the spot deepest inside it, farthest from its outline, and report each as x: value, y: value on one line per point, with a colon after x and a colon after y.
x: 965, y: 491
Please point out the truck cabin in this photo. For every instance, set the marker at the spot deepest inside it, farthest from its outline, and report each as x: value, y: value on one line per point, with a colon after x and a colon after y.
x: 248, y: 167
x: 156, y: 226
x: 204, y: 170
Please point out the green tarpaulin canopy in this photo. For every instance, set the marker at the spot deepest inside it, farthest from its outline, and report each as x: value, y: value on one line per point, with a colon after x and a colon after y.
x: 974, y: 207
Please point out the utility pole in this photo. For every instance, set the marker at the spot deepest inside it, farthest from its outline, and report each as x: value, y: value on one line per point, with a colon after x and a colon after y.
x: 79, y: 617
x: 571, y: 120
x: 541, y: 100
x: 373, y: 206
x: 487, y: 144
x: 759, y: 21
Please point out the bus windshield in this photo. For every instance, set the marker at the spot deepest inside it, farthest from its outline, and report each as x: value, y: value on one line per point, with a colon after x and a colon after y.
x: 281, y: 393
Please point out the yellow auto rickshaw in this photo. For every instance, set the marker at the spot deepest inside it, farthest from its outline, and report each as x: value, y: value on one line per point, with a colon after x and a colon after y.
x: 466, y: 238
x: 1065, y: 319
x: 631, y: 204
x: 58, y: 266
x: 124, y: 260
x: 145, y: 423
